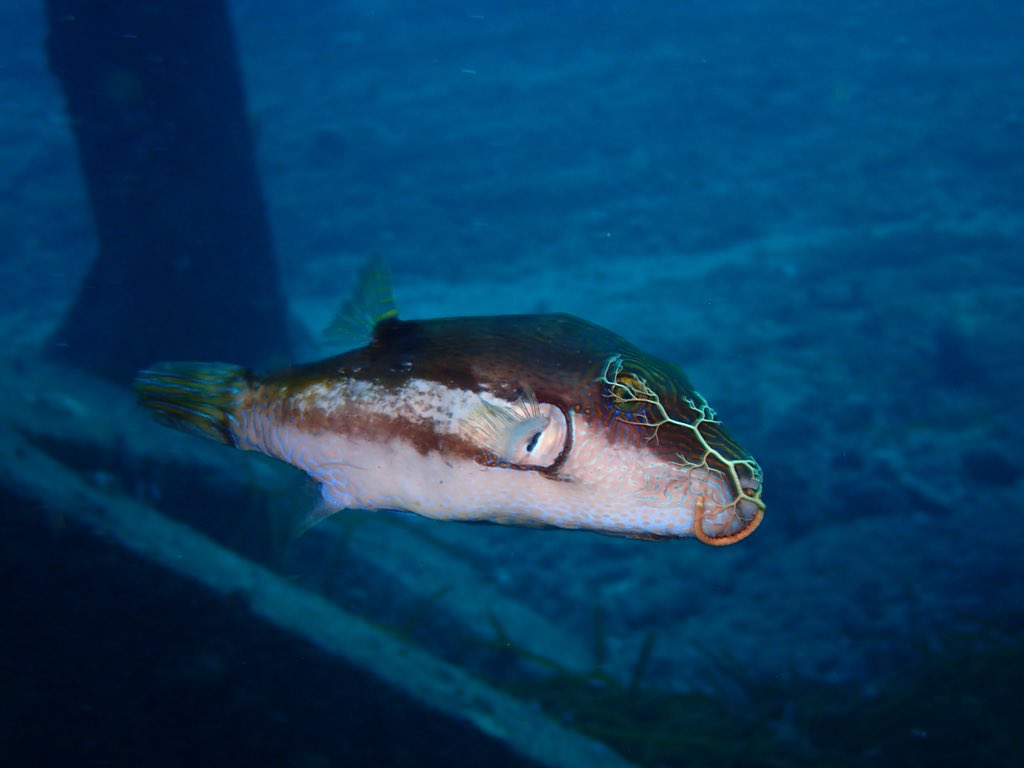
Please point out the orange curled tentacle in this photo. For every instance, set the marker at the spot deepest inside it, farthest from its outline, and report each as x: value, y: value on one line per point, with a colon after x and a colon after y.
x: 721, y: 541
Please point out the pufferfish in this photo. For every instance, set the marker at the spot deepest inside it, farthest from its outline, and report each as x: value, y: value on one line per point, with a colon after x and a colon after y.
x: 541, y: 420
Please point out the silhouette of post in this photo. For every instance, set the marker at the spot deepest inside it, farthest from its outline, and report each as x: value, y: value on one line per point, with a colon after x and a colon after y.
x: 185, y: 266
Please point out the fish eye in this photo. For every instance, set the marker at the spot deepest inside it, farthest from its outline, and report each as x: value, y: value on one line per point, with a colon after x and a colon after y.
x: 629, y: 391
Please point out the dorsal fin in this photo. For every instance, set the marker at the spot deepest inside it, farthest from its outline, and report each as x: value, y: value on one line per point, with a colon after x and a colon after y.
x: 370, y: 304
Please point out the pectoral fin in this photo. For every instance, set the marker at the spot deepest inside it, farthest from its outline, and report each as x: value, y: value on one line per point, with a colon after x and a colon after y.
x: 521, y: 432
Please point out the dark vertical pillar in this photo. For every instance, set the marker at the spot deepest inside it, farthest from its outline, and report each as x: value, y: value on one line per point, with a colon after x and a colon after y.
x: 185, y: 268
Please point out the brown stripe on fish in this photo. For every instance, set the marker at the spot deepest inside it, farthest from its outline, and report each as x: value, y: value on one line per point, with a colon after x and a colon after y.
x: 420, y: 413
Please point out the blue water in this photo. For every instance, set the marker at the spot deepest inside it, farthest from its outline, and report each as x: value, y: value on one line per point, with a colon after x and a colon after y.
x: 816, y: 209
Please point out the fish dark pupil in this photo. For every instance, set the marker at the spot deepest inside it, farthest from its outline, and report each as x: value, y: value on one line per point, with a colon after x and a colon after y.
x: 628, y: 393
x: 533, y: 442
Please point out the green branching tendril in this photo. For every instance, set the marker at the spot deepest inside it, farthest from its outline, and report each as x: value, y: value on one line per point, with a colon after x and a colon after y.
x: 639, y: 405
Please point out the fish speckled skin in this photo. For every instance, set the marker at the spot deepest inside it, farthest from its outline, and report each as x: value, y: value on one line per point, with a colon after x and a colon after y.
x: 529, y: 419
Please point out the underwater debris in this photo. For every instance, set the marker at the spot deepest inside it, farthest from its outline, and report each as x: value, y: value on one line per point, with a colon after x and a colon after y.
x: 959, y: 705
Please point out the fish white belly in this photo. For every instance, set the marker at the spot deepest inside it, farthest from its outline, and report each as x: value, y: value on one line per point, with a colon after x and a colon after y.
x: 602, y: 487
x: 599, y: 494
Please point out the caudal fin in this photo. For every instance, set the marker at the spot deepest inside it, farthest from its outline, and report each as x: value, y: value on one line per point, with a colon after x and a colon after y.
x: 194, y: 397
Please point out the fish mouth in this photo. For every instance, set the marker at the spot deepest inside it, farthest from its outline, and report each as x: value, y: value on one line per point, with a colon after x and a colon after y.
x: 750, y: 512
x: 739, y: 518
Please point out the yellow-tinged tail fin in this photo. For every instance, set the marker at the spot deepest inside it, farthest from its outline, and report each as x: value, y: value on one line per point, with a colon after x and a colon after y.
x: 194, y: 397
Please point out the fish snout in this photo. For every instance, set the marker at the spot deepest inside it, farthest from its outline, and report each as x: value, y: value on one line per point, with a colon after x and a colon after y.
x: 739, y: 516
x: 749, y: 507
